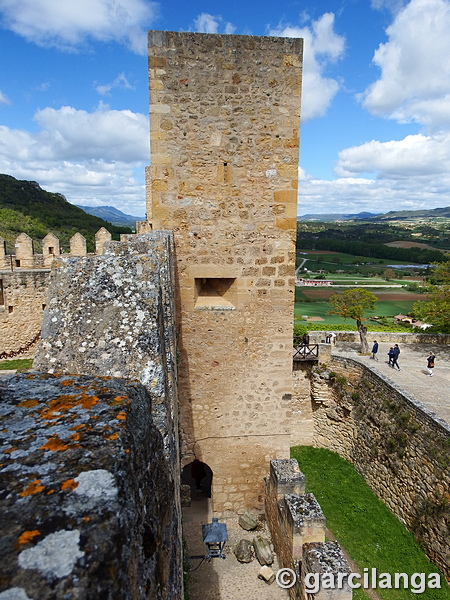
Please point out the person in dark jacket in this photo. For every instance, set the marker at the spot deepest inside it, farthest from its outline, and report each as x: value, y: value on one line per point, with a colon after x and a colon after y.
x: 374, y: 350
x: 396, y: 352
x: 198, y: 472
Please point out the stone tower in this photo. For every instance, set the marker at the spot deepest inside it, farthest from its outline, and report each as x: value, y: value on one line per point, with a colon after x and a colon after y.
x: 224, y: 122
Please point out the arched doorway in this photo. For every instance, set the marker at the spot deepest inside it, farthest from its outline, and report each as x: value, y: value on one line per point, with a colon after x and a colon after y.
x: 198, y: 476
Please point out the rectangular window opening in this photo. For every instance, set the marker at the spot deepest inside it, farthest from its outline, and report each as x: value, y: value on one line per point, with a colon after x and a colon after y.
x: 215, y: 293
x: 51, y: 250
x: 10, y: 309
x: 17, y: 262
x: 2, y: 294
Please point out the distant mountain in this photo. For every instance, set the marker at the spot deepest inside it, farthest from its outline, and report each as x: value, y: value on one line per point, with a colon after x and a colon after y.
x: 112, y: 215
x: 26, y: 207
x: 403, y: 215
x: 399, y: 215
x: 337, y: 217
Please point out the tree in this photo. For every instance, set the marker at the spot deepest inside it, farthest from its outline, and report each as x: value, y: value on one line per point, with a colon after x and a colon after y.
x: 351, y: 305
x: 436, y: 311
x: 389, y: 274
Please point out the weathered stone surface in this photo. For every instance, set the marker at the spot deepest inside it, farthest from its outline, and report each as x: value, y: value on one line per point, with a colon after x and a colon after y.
x: 266, y: 574
x: 248, y: 521
x: 262, y: 549
x: 327, y: 559
x: 244, y: 551
x: 185, y: 493
x: 87, y: 498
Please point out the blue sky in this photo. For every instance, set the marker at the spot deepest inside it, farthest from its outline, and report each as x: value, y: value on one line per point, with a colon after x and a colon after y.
x: 375, y: 133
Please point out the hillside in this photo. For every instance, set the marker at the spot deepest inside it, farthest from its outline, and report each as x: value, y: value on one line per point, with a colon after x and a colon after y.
x: 399, y: 215
x: 26, y: 207
x: 338, y: 217
x: 112, y: 215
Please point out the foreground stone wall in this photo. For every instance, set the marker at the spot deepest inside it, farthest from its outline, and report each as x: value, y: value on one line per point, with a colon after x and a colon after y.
x: 22, y: 306
x: 113, y: 315
x: 224, y: 129
x: 87, y: 496
x: 400, y: 447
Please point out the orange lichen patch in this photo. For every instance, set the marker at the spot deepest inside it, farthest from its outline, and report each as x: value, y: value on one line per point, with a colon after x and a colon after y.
x: 76, y: 427
x: 75, y: 437
x: 67, y: 382
x: 88, y: 401
x: 127, y: 450
x: 121, y: 416
x: 119, y: 399
x: 33, y: 488
x: 113, y: 436
x: 86, y: 519
x: 70, y: 484
x: 29, y: 403
x: 27, y: 536
x: 54, y: 444
x: 65, y: 402
x: 50, y: 492
x: 9, y: 450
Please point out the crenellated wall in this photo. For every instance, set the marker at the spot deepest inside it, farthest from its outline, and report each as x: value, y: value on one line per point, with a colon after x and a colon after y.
x: 24, y: 279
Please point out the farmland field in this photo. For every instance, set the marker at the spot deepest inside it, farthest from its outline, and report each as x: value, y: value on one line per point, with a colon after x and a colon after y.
x: 315, y: 306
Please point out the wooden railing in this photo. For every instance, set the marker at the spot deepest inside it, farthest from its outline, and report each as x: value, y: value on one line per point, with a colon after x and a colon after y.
x: 305, y: 351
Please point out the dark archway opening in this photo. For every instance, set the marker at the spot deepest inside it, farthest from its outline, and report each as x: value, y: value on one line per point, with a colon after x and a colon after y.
x: 198, y: 476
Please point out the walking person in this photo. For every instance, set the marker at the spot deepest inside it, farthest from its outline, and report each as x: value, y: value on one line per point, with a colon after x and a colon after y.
x: 396, y: 352
x: 391, y: 356
x: 374, y: 350
x: 430, y: 363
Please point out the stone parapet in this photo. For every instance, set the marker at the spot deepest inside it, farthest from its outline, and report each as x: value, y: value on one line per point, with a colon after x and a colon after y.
x: 325, y: 561
x: 397, y: 337
x: 297, y: 525
x: 88, y: 497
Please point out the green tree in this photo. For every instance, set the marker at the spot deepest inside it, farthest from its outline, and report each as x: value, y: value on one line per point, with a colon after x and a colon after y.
x: 436, y: 311
x: 352, y: 304
x: 389, y: 274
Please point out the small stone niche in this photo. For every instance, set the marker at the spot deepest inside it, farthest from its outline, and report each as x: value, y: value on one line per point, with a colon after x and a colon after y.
x: 215, y: 293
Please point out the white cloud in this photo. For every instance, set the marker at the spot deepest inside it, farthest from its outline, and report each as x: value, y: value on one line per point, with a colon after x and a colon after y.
x: 67, y: 25
x: 99, y: 155
x: 414, y: 85
x: 353, y: 195
x: 206, y: 23
x: 322, y: 46
x: 414, y: 156
x: 120, y: 82
x: 4, y: 99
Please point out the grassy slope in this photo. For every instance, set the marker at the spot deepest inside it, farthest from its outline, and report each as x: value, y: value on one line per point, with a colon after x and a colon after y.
x: 364, y: 526
x: 25, y: 207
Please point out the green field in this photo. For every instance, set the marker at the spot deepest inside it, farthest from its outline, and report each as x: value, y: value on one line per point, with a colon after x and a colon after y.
x: 330, y: 262
x: 320, y: 309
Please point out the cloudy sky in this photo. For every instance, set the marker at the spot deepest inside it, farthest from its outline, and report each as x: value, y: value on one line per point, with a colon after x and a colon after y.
x: 375, y: 132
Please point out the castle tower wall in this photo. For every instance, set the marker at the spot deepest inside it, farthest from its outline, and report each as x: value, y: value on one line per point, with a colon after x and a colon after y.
x: 224, y: 121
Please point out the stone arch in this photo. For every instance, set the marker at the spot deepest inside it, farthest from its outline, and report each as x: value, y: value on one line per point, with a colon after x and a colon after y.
x: 188, y: 477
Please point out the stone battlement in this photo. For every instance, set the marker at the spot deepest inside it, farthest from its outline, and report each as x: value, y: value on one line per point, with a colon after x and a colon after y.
x: 25, y: 257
